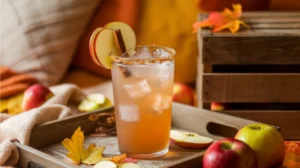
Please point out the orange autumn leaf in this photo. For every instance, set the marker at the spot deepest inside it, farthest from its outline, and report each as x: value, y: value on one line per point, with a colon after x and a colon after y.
x: 122, y: 159
x: 76, y: 151
x: 222, y: 20
x: 118, y: 159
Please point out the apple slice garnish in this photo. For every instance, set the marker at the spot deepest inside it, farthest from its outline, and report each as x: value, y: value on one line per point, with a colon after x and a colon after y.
x: 103, y: 43
x: 127, y: 34
x: 91, y: 44
x: 102, y: 46
x: 189, y: 139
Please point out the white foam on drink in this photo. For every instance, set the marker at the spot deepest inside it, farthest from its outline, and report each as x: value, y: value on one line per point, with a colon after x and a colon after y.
x: 129, y: 113
x: 137, y: 89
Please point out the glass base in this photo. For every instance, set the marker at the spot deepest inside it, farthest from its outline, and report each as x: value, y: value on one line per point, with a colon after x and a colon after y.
x: 150, y: 155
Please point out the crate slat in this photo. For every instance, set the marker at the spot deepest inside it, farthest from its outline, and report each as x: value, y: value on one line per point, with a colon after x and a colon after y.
x: 251, y: 50
x: 275, y: 25
x: 270, y: 14
x: 288, y: 121
x: 251, y: 87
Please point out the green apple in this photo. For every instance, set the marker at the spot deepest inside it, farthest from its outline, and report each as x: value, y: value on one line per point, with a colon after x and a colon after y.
x: 267, y: 143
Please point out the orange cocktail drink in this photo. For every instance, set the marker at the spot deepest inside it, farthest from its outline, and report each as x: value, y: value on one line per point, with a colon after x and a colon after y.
x: 142, y: 86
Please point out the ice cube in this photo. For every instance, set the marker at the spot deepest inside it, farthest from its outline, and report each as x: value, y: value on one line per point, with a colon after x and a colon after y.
x: 143, y: 53
x: 137, y: 88
x: 165, y: 72
x: 160, y: 53
x: 160, y: 102
x: 129, y: 113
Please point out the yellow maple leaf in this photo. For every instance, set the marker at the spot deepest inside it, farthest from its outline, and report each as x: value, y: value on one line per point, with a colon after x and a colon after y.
x: 96, y: 154
x: 76, y: 150
x: 222, y: 20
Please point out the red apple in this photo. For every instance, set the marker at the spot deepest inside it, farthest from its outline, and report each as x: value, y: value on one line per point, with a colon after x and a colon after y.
x: 229, y: 153
x: 267, y: 143
x: 215, y: 106
x: 35, y: 96
x: 189, y: 139
x: 183, y: 94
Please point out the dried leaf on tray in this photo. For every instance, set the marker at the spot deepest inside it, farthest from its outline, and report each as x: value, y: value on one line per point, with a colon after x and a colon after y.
x: 92, y: 155
x: 95, y: 155
x: 118, y: 159
x: 76, y: 150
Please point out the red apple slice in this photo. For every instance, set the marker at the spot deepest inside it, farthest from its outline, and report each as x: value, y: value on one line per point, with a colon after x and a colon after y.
x: 189, y: 139
x: 102, y: 43
x: 102, y: 46
x: 127, y: 34
x: 92, y: 42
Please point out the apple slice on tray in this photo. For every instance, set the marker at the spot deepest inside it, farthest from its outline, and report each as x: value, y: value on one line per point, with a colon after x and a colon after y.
x: 93, y: 102
x: 112, y: 40
x: 189, y: 139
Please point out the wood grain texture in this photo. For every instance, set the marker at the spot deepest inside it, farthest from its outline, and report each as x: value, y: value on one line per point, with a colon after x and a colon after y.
x: 288, y: 121
x: 274, y: 38
x: 251, y: 88
x: 30, y: 156
x: 175, y: 156
x: 251, y: 50
x: 183, y: 118
x: 198, y: 120
x: 56, y: 131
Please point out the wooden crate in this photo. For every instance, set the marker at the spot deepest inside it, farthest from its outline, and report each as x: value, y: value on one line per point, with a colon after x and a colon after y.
x: 260, y: 66
x: 45, y: 149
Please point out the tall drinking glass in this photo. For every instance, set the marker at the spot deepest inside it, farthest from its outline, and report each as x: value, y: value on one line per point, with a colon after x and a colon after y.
x: 142, y: 86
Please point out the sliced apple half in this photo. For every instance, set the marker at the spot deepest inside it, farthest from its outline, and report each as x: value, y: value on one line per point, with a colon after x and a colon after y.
x: 189, y: 139
x: 105, y: 164
x: 127, y: 34
x: 88, y: 106
x: 97, y: 98
x: 102, y: 46
x: 129, y: 165
x: 92, y: 42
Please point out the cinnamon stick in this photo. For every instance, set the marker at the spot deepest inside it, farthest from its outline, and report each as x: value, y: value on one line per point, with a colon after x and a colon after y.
x: 120, y: 41
x: 122, y: 49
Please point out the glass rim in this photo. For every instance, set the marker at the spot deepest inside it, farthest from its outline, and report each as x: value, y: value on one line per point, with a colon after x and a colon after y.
x: 128, y: 60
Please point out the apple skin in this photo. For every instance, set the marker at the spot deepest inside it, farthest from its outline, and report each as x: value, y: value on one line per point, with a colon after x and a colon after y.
x: 183, y: 94
x: 229, y: 153
x: 267, y: 143
x: 35, y: 96
x: 215, y: 106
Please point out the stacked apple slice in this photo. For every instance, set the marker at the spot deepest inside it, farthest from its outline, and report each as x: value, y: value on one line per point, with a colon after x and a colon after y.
x: 108, y: 40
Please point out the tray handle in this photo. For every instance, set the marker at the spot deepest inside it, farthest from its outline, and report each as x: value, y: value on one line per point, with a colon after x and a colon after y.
x: 205, y: 122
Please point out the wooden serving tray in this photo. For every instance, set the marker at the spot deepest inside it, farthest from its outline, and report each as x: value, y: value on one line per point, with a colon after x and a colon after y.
x: 45, y: 149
